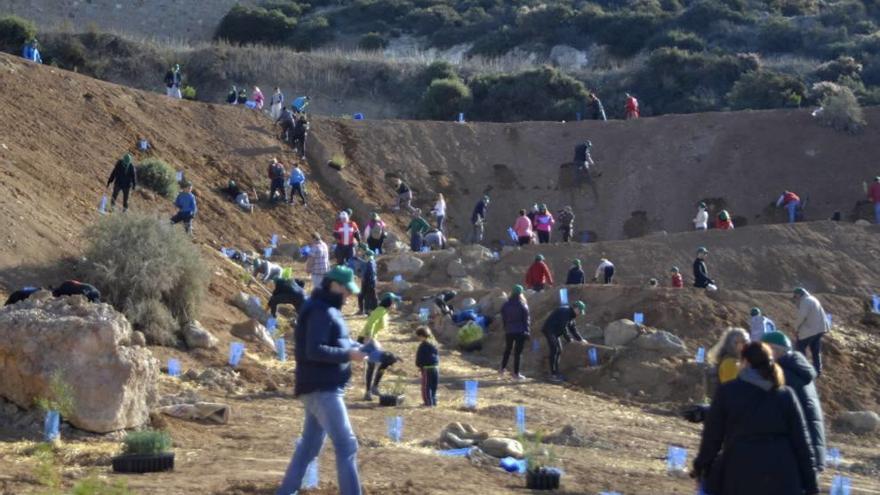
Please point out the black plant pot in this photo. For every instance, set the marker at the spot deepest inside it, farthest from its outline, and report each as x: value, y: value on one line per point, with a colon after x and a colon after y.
x: 543, y: 479
x: 143, y: 463
x: 391, y: 400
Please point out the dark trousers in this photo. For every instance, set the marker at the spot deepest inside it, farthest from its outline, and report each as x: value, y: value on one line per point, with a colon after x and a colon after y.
x: 441, y: 222
x: 299, y: 144
x: 555, y: 348
x: 537, y: 288
x: 344, y: 253
x: 277, y: 185
x: 367, y: 300
x: 375, y: 244
x: 524, y: 240
x: 125, y: 192
x: 186, y: 217
x: 298, y: 189
x: 415, y: 242
x: 515, y: 343
x: 277, y: 299
x: 566, y: 234
x: 813, y: 343
x: 430, y: 379
x: 543, y: 237
x: 369, y: 380
x: 609, y: 274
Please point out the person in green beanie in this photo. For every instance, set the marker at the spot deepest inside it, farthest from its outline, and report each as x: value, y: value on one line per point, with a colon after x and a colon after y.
x: 417, y: 228
x: 576, y: 274
x: 561, y: 324
x: 801, y: 377
x: 517, y: 323
x: 123, y: 178
x: 324, y: 352
x: 538, y: 275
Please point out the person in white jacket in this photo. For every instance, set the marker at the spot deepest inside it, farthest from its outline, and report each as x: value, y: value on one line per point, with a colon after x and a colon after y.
x: 604, y: 272
x: 810, y: 325
x: 701, y: 221
x: 439, y: 212
x: 759, y: 325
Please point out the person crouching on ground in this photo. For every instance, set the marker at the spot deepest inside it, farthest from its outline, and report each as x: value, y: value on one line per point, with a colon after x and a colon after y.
x: 375, y: 324
x: 324, y: 353
x: 428, y: 362
x: 561, y: 324
x: 576, y: 274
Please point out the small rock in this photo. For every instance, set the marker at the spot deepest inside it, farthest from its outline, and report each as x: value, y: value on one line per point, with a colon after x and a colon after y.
x: 502, y: 447
x: 465, y: 285
x: 863, y: 222
x: 660, y: 341
x: 621, y: 332
x: 253, y: 331
x: 404, y: 264
x: 859, y: 421
x: 197, y: 337
x: 138, y: 339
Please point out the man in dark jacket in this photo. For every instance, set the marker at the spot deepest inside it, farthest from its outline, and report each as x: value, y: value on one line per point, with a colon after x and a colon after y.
x: 367, y: 299
x: 576, y: 274
x: 287, y: 291
x: 565, y: 217
x: 596, y: 109
x: 701, y: 273
x: 478, y: 219
x: 286, y: 121
x: 74, y: 288
x: 515, y: 316
x: 561, y: 324
x: 801, y: 377
x: 123, y: 178
x: 324, y: 352
x: 277, y: 175
x: 21, y: 295
x: 300, y: 134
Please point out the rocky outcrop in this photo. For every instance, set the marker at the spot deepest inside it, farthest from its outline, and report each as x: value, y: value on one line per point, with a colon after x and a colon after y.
x: 621, y: 332
x: 89, y: 346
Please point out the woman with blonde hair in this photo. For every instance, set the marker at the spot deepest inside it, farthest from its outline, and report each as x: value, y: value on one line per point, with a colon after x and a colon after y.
x: 726, y: 353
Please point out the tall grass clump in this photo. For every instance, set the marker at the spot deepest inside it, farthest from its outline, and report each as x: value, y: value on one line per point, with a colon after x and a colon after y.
x: 159, y: 176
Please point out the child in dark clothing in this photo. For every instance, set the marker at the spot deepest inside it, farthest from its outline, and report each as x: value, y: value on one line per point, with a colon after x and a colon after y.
x: 428, y: 361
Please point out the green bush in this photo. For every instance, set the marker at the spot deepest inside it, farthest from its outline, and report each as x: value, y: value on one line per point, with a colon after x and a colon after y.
x: 841, y: 109
x: 14, y: 33
x: 59, y: 396
x: 138, y: 261
x: 157, y: 175
x: 188, y: 93
x: 537, y: 94
x: 311, y: 34
x: 255, y: 25
x: 765, y: 89
x: 372, y: 42
x: 675, y: 38
x: 155, y: 321
x: 287, y: 7
x: 795, y: 7
x: 147, y: 442
x: 841, y: 67
x: 624, y: 32
x: 445, y: 98
x: 779, y: 35
x: 439, y: 69
x: 701, y: 16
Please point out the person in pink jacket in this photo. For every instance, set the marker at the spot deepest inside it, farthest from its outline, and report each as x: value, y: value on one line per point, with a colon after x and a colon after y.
x: 257, y: 98
x: 523, y: 228
x: 544, y: 224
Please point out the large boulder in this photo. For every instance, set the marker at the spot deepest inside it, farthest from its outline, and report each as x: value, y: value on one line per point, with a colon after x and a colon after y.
x: 621, y: 332
x: 197, y: 337
x: 404, y: 264
x: 252, y: 331
x: 661, y: 342
x: 252, y: 306
x: 474, y: 254
x: 502, y: 447
x: 859, y: 421
x: 490, y: 304
x: 88, y: 345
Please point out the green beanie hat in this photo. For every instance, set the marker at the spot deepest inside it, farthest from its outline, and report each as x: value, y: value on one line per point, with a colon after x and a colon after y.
x: 701, y: 249
x: 723, y: 216
x: 800, y: 291
x: 579, y: 305
x: 517, y: 290
x: 390, y: 296
x: 349, y: 211
x: 675, y: 269
x: 369, y: 253
x: 344, y: 276
x: 776, y: 338
x: 126, y: 158
x: 375, y: 216
x: 755, y: 312
x: 576, y: 262
x: 539, y: 257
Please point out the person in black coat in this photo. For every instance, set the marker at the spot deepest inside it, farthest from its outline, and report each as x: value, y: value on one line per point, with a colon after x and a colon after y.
x: 287, y: 291
x: 74, y: 288
x: 515, y: 316
x: 428, y: 362
x: 123, y: 178
x: 755, y: 440
x: 801, y: 377
x: 21, y: 295
x: 576, y: 274
x: 701, y: 273
x: 561, y: 324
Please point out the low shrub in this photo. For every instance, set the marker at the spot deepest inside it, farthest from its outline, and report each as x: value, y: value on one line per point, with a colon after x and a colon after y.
x: 59, y: 396
x: 445, y: 98
x: 188, y: 93
x: 255, y: 25
x: 311, y: 34
x: 139, y: 262
x: 14, y: 33
x: 338, y: 162
x: 763, y: 89
x: 157, y: 175
x: 537, y: 94
x: 676, y: 38
x: 146, y: 442
x: 372, y: 42
x: 840, y: 109
x: 833, y: 70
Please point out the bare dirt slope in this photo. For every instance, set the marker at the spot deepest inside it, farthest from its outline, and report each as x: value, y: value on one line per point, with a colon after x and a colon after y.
x: 661, y: 166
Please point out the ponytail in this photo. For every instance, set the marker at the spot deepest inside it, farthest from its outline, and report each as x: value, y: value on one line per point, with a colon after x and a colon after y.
x: 760, y: 358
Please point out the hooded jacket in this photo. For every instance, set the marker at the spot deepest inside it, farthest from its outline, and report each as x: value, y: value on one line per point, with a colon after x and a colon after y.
x: 515, y: 316
x: 701, y: 274
x: 123, y: 176
x: 561, y: 323
x: 811, y: 319
x: 764, y: 437
x: 479, y: 213
x: 701, y: 221
x: 544, y: 222
x: 801, y: 377
x: 576, y: 276
x: 322, y: 345
x: 538, y: 274
x: 523, y: 226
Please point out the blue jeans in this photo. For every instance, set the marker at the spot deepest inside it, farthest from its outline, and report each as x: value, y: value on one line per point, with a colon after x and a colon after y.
x: 813, y: 343
x: 325, y: 413
x: 877, y: 213
x: 792, y: 211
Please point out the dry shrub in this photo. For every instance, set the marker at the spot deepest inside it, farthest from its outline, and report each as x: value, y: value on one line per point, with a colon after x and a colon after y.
x: 150, y: 271
x: 840, y: 108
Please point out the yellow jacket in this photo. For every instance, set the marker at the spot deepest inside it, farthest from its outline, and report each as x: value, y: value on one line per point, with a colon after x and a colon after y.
x: 376, y: 322
x: 728, y: 370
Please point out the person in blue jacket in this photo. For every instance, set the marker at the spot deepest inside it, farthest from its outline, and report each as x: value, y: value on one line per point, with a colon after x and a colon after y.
x: 324, y: 352
x: 297, y: 183
x: 31, y: 51
x: 576, y: 274
x: 186, y: 208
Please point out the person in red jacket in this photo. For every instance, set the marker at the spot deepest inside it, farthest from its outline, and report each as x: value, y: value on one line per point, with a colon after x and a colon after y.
x: 874, y: 196
x: 347, y: 237
x: 724, y: 221
x: 632, y: 107
x: 538, y: 276
x: 791, y: 202
x: 677, y: 280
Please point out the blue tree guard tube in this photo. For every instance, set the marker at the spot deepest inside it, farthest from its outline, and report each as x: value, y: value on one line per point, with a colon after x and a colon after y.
x: 578, y: 116
x: 274, y: 241
x: 536, y: 345
x: 701, y: 355
x: 102, y: 206
x: 461, y: 117
x: 424, y: 314
x: 520, y: 419
x: 267, y: 252
x: 180, y: 176
x: 280, y: 349
x: 834, y: 457
x: 875, y: 303
x: 840, y: 485
x: 593, y: 356
x: 512, y: 234
x: 676, y: 459
x: 52, y: 426
x: 271, y: 324
x: 830, y: 319
x: 639, y: 318
x: 471, y: 388
x: 395, y: 428
x: 236, y: 351
x: 563, y: 296
x: 173, y: 367
x: 463, y: 452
